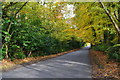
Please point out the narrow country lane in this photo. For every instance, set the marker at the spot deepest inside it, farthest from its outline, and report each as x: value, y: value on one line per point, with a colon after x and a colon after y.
x: 72, y: 65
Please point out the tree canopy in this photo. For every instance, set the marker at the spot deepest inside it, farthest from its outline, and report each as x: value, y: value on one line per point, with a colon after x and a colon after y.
x: 35, y: 29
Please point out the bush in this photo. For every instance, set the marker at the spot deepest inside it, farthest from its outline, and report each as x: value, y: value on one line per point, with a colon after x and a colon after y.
x: 38, y: 42
x: 101, y: 47
x: 19, y: 55
x: 114, y: 52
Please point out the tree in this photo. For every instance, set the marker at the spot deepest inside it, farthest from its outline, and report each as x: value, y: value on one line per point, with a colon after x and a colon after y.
x: 115, y: 21
x: 28, y: 31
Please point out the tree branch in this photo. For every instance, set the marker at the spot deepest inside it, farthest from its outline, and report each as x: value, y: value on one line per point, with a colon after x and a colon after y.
x: 115, y: 16
x: 20, y: 8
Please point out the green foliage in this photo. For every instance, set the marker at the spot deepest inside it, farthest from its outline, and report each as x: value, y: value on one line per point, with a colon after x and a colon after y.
x: 18, y: 55
x: 38, y: 30
x: 114, y: 52
x: 33, y: 33
x: 1, y: 56
x: 94, y: 24
x: 101, y: 47
x: 96, y: 27
x: 2, y: 53
x: 116, y: 45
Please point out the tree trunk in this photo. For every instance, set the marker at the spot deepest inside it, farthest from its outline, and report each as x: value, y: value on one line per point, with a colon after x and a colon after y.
x: 119, y: 22
x: 6, y: 56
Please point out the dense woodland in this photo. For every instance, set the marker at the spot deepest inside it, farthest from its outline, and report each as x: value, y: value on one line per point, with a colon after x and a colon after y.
x: 32, y: 29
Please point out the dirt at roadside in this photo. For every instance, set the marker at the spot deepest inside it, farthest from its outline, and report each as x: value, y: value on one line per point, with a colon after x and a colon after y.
x: 104, y: 68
